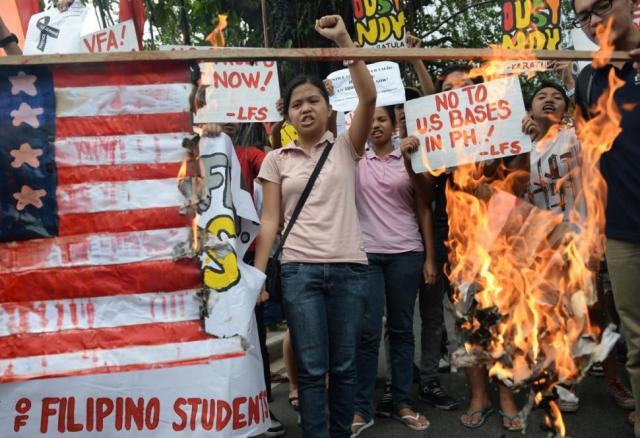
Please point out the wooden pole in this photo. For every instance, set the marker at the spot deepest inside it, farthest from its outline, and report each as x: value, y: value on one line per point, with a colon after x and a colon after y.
x: 314, y: 54
x: 265, y: 23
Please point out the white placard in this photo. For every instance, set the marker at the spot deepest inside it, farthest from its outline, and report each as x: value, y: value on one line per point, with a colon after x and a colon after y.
x: 470, y: 124
x: 119, y: 38
x: 242, y: 92
x: 523, y: 67
x: 387, y: 78
x: 53, y: 31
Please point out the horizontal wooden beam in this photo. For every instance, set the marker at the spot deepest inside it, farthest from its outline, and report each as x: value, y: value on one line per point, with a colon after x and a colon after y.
x: 314, y: 54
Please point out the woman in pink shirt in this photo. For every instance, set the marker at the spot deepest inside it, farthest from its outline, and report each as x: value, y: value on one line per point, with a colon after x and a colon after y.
x: 391, y: 221
x: 324, y: 267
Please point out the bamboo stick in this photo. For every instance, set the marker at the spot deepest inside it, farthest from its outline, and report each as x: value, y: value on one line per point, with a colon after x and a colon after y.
x: 312, y: 54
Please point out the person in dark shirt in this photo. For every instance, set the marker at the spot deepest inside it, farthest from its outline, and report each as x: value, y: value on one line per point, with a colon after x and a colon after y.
x: 620, y: 166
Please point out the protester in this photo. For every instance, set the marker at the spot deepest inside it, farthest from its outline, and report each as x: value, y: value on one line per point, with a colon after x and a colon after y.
x: 391, y: 230
x: 8, y: 40
x: 619, y: 166
x: 323, y: 265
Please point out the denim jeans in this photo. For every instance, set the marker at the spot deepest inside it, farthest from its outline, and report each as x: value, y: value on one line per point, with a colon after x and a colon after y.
x: 396, y: 277
x: 324, y: 306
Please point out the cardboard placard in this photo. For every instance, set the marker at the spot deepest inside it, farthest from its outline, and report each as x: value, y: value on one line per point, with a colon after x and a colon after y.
x: 470, y: 124
x: 241, y: 92
x: 531, y: 24
x: 119, y: 38
x: 53, y: 31
x: 388, y: 81
x: 379, y: 23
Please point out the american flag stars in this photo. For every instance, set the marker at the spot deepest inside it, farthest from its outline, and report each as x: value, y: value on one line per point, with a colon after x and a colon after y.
x: 23, y: 82
x: 26, y: 114
x: 28, y: 196
x: 25, y: 155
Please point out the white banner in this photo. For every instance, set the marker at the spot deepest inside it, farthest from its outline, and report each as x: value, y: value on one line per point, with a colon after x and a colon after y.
x: 225, y: 398
x: 53, y: 31
x: 229, y: 217
x: 119, y: 38
x: 470, y: 124
x: 387, y: 78
x: 242, y: 92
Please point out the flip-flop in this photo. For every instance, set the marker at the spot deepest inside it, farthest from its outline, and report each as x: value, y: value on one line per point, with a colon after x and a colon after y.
x: 484, y: 414
x: 361, y: 426
x: 511, y: 419
x: 404, y: 420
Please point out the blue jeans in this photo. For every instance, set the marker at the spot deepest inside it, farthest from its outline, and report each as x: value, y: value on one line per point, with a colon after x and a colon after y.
x: 398, y: 277
x: 324, y: 306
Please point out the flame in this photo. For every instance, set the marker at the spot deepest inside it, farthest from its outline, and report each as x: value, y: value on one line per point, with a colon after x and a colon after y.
x: 524, y: 276
x: 216, y: 37
x: 605, y: 41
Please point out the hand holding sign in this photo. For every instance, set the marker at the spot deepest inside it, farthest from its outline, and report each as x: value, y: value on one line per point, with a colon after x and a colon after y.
x: 466, y: 125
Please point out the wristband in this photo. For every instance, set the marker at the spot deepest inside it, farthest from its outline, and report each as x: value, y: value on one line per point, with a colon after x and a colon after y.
x: 12, y: 38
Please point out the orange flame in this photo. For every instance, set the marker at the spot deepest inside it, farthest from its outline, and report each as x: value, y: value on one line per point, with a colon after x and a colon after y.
x: 216, y: 37
x: 535, y: 270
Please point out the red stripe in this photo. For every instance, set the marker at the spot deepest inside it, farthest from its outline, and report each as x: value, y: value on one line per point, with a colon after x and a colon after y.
x: 96, y: 281
x: 69, y: 341
x: 121, y: 73
x: 122, y: 221
x: 8, y: 378
x: 131, y: 172
x: 122, y: 125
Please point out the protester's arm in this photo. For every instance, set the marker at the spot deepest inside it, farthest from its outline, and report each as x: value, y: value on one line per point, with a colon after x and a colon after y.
x: 332, y: 27
x: 11, y: 48
x: 269, y: 222
x: 425, y: 218
x: 426, y: 83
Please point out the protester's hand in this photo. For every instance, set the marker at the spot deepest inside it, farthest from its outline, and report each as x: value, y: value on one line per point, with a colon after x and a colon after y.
x: 635, y: 57
x: 565, y: 71
x: 332, y: 27
x: 328, y: 84
x: 430, y: 271
x: 530, y: 127
x: 413, y: 41
x: 63, y: 5
x: 280, y: 106
x: 408, y: 146
x: 212, y: 129
x: 262, y: 297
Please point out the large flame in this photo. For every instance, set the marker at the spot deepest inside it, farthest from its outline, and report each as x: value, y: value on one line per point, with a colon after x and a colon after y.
x: 216, y: 37
x: 524, y: 278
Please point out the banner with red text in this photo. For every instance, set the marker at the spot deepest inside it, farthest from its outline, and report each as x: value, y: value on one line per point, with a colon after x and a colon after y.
x: 119, y: 38
x: 243, y: 92
x: 379, y: 23
x: 470, y: 124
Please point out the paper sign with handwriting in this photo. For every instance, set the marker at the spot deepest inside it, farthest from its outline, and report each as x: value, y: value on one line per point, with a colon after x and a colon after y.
x: 118, y: 38
x: 475, y: 123
x: 379, y: 23
x: 243, y: 92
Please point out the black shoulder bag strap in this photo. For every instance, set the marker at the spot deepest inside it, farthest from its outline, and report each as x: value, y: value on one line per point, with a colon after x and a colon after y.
x: 303, y: 198
x: 584, y: 84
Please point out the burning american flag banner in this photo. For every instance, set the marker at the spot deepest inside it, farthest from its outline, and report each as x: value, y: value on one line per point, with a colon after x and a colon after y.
x: 94, y: 296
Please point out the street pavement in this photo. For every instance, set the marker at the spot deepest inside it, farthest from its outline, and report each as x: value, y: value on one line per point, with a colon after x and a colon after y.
x: 598, y: 416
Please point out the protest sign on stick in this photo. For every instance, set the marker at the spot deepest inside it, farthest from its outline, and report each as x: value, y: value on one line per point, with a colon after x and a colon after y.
x: 388, y: 81
x: 241, y: 92
x: 379, y: 23
x: 471, y: 124
x: 119, y: 38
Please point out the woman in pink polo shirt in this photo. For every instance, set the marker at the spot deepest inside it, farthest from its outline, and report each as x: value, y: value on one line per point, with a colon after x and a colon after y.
x: 324, y: 266
x: 391, y: 220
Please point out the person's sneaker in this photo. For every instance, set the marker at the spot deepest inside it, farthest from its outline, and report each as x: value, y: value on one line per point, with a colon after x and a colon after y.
x: 568, y: 401
x: 384, y: 408
x: 276, y: 429
x: 435, y: 394
x: 622, y: 395
x: 596, y: 370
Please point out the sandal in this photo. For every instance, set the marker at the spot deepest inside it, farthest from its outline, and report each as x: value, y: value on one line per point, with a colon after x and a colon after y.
x: 360, y: 426
x: 294, y: 402
x: 405, y: 419
x: 516, y: 424
x: 484, y: 414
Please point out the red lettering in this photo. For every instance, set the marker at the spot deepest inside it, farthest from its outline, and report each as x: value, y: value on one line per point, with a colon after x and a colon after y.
x: 441, y: 102
x: 134, y: 413
x: 358, y: 9
x: 220, y: 80
x: 223, y: 414
x: 62, y: 414
x: 90, y: 404
x: 104, y: 408
x: 252, y: 80
x: 254, y: 410
x: 480, y: 113
x: 101, y: 38
x: 72, y: 426
x: 207, y: 414
x: 238, y: 418
x: 503, y: 105
x: 22, y: 407
x: 195, y: 403
x: 152, y: 414
x: 119, y: 413
x: 177, y: 408
x: 491, y: 109
x: 91, y: 47
x: 262, y: 114
x: 433, y: 143
x: 436, y: 123
x: 112, y: 43
x: 516, y: 148
x: 507, y: 17
x: 47, y: 411
x: 455, y: 119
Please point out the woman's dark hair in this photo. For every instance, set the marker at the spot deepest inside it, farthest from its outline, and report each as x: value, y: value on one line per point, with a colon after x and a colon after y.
x: 391, y: 112
x: 301, y: 80
x: 459, y: 67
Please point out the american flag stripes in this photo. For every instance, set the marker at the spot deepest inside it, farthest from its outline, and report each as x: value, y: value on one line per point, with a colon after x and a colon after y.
x: 88, y: 221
